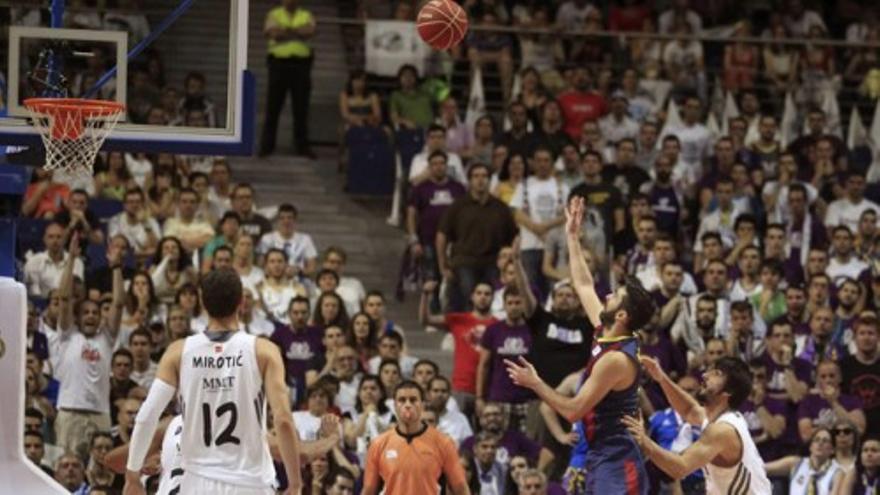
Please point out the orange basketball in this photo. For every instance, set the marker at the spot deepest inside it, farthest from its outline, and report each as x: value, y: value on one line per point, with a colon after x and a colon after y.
x: 442, y: 24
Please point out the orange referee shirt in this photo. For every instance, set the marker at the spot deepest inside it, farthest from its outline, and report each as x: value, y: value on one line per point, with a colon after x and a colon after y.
x: 412, y: 464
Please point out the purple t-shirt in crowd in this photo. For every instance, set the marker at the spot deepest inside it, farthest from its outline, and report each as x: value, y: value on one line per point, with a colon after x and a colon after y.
x: 803, y: 370
x: 506, y: 342
x: 814, y: 407
x: 512, y: 444
x: 430, y: 201
x: 298, y: 349
x: 769, y: 449
x: 670, y: 359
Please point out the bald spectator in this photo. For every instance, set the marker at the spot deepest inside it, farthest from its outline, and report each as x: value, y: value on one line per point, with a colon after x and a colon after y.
x: 42, y: 271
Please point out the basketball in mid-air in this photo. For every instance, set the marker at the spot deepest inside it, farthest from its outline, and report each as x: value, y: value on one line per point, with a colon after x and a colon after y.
x: 442, y: 24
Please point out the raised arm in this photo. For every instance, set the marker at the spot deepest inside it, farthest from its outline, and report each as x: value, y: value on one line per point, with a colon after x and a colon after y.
x: 65, y: 287
x: 607, y: 373
x: 114, y: 320
x: 522, y: 281
x: 685, y: 405
x: 277, y: 395
x: 425, y: 315
x: 581, y: 277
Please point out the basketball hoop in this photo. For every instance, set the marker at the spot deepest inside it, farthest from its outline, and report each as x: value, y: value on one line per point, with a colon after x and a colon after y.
x: 73, y: 129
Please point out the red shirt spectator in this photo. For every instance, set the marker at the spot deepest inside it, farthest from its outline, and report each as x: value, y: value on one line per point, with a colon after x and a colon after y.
x: 580, y: 104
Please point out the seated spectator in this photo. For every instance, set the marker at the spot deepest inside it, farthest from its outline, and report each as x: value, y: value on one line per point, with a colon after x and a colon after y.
x: 491, y: 473
x: 308, y: 421
x: 420, y: 172
x: 540, y: 54
x: 142, y: 306
x: 358, y: 106
x: 171, y: 269
x: 391, y: 347
x: 769, y: 301
x: 844, y: 262
x: 194, y: 98
x: 410, y: 107
x: 219, y: 194
x: 44, y: 197
x: 459, y: 135
x: 369, y: 418
x: 329, y: 311
x: 137, y: 225
x: 492, y: 47
x: 350, y: 288
x: 277, y: 290
x: 192, y: 232
x: 374, y: 307
x: 618, y: 125
x: 671, y: 432
x: 252, y: 223
x: 114, y: 181
x: 70, y: 473
x: 98, y: 474
x: 512, y: 443
x: 77, y: 216
x: 847, y: 210
x: 43, y: 270
x: 483, y: 143
x: 251, y: 320
x: 679, y: 12
x: 825, y: 404
x: 243, y: 262
x: 683, y: 62
x: 228, y: 236
x: 450, y: 422
x: 162, y: 195
x: 389, y: 376
x: 740, y: 60
x: 299, y: 344
x: 188, y: 299
x: 298, y: 248
x: 572, y: 14
x: 34, y: 450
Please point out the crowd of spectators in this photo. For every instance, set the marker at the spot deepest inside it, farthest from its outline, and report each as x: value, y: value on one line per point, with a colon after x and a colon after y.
x: 752, y: 247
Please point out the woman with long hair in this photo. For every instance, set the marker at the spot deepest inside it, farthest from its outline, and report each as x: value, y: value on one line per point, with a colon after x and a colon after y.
x: 162, y: 195
x: 115, y: 180
x: 512, y: 174
x: 362, y: 334
x: 816, y: 474
x: 142, y: 307
x: 846, y: 443
x: 865, y: 478
x: 484, y: 140
x: 171, y: 270
x: 329, y: 311
x: 390, y: 375
x: 188, y: 299
x: 370, y: 417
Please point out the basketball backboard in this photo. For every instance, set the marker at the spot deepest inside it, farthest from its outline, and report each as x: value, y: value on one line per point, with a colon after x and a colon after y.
x: 118, y: 53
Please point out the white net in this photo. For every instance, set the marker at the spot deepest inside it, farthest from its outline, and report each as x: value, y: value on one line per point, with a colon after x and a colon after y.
x: 73, y: 131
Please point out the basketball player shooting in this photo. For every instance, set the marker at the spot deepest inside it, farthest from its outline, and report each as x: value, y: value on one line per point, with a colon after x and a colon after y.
x: 725, y: 448
x: 224, y: 377
x: 614, y: 463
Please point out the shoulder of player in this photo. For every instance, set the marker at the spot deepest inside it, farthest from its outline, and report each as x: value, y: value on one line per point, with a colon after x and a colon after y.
x: 174, y: 351
x: 720, y: 431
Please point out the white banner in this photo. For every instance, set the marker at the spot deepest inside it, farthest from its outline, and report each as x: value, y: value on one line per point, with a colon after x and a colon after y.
x: 391, y: 44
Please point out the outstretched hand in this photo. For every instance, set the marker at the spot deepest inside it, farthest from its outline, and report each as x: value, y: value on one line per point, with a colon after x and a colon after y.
x: 523, y: 374
x: 652, y: 367
x: 574, y: 216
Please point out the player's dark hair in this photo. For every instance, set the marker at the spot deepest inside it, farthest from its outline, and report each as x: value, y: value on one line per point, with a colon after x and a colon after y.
x: 221, y: 292
x: 409, y: 385
x: 638, y: 304
x: 738, y: 379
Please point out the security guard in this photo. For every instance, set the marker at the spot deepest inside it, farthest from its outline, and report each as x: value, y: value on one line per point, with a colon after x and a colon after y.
x: 289, y: 29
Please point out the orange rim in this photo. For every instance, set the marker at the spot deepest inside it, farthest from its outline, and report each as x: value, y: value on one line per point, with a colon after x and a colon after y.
x: 59, y: 106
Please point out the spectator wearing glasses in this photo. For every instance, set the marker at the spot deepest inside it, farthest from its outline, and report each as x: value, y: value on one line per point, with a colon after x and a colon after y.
x: 817, y: 474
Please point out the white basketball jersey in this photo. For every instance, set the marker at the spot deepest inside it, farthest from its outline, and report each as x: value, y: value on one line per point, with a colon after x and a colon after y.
x: 224, y: 410
x: 747, y: 477
x: 802, y: 476
x: 169, y: 482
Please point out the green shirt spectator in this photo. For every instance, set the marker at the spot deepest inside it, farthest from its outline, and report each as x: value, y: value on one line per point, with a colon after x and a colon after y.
x: 410, y: 106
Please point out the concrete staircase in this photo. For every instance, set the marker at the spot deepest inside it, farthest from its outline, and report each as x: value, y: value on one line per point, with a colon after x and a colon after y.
x: 357, y: 224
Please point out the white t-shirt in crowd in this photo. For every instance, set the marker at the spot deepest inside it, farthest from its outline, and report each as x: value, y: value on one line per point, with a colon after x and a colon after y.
x: 454, y: 167
x: 82, y: 366
x: 542, y: 200
x: 695, y: 144
x: 852, y: 268
x: 845, y: 212
x: 407, y: 364
x: 299, y: 247
x: 41, y: 274
x: 136, y: 234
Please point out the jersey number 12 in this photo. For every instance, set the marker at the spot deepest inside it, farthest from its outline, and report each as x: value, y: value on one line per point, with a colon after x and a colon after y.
x: 226, y: 436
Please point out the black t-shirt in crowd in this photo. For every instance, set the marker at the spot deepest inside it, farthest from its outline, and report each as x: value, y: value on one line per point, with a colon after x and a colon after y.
x: 559, y: 346
x: 863, y: 381
x: 604, y: 198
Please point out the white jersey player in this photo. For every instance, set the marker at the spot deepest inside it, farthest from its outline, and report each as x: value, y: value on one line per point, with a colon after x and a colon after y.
x: 170, y: 459
x: 725, y: 450
x: 224, y: 377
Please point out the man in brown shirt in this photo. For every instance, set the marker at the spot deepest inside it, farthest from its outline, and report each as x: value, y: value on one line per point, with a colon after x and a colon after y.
x: 477, y: 226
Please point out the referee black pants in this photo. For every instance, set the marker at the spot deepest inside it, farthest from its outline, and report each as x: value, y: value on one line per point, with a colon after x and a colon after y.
x: 293, y: 75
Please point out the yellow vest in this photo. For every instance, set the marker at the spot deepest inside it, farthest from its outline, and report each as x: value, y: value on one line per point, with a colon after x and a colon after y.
x: 284, y: 19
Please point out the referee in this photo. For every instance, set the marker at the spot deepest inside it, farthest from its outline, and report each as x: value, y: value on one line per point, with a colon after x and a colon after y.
x: 411, y: 457
x: 288, y: 28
